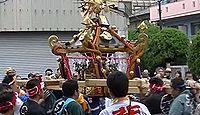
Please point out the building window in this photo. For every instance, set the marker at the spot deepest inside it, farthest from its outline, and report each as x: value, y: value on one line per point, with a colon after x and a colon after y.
x: 183, y: 28
x: 195, y: 27
x: 166, y: 9
x: 193, y: 3
x: 183, y: 6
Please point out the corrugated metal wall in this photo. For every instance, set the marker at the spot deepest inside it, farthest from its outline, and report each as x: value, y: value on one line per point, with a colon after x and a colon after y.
x: 27, y: 25
x: 27, y: 52
x: 47, y: 15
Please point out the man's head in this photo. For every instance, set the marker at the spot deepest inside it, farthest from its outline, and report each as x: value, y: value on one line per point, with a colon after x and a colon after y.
x: 156, y: 84
x: 48, y: 72
x: 30, y: 75
x: 117, y: 83
x: 161, y: 72
x: 10, y: 72
x: 7, y: 99
x: 34, y: 89
x: 168, y: 73
x: 70, y: 89
x: 188, y: 75
x: 145, y: 73
x: 178, y: 86
x: 178, y: 74
x: 11, y: 80
x: 37, y: 76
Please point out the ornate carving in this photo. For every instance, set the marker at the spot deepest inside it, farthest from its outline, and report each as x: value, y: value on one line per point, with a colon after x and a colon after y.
x: 97, y: 30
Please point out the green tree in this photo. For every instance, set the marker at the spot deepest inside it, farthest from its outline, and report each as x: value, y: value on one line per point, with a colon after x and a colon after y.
x: 166, y: 45
x: 194, y: 55
x: 132, y: 34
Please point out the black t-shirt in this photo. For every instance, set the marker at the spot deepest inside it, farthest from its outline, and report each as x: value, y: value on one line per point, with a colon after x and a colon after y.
x: 31, y: 108
x: 153, y: 103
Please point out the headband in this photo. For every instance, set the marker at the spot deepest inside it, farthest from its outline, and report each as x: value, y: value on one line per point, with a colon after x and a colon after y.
x: 6, y: 105
x: 33, y: 91
x: 156, y: 87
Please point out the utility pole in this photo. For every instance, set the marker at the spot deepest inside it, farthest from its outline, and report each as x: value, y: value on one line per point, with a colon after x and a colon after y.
x: 160, y: 11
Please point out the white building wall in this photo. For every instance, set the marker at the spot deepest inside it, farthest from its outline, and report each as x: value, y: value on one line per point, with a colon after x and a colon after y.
x: 47, y: 15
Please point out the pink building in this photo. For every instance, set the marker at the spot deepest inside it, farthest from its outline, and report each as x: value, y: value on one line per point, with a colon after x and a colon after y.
x: 182, y: 14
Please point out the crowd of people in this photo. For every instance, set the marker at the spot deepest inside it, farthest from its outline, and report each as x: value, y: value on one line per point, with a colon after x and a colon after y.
x: 166, y: 95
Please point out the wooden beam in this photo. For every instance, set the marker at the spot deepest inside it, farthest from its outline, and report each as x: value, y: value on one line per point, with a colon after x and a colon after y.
x: 95, y: 82
x: 52, y: 82
x: 87, y: 82
x: 133, y: 90
x: 135, y: 83
x: 102, y: 82
x: 55, y: 84
x: 54, y: 87
x: 81, y: 83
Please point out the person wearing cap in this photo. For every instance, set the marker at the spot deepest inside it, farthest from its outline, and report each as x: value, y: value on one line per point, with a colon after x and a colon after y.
x: 7, y: 100
x: 35, y: 93
x: 182, y: 104
x: 167, y: 76
x: 145, y: 74
x: 168, y: 73
x: 49, y: 74
x: 10, y: 72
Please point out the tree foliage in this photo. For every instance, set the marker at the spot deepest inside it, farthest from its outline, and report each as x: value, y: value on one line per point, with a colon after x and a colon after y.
x: 133, y: 34
x: 194, y: 55
x: 166, y: 45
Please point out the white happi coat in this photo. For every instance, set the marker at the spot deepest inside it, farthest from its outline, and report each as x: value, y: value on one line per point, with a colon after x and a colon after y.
x: 121, y: 108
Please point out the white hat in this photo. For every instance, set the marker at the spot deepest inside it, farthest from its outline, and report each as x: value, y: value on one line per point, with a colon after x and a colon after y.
x: 168, y: 69
x: 146, y: 71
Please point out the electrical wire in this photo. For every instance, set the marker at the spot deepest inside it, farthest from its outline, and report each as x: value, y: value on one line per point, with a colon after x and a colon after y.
x: 3, y: 1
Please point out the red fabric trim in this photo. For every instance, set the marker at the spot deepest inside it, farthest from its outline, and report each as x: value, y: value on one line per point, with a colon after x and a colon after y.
x: 34, y: 90
x: 6, y: 105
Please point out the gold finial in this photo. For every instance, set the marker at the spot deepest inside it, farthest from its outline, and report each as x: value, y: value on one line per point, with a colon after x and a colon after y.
x: 142, y: 27
x: 98, y: 58
x: 53, y: 39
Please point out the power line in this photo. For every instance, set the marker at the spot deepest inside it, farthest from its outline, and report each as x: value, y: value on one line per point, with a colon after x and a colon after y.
x: 3, y: 1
